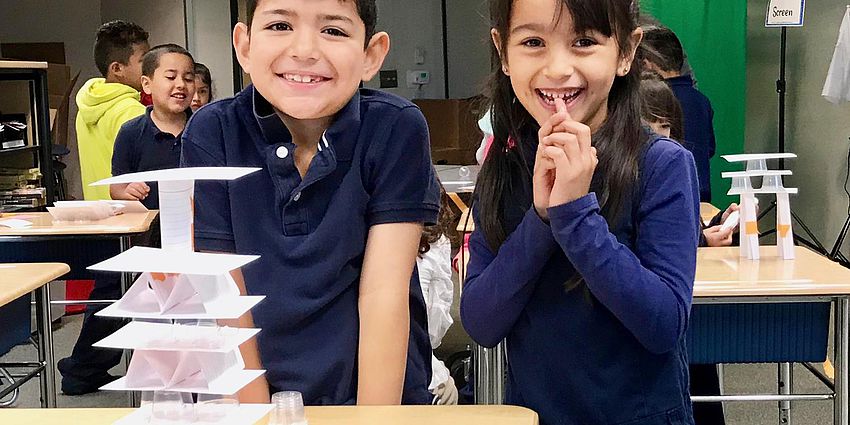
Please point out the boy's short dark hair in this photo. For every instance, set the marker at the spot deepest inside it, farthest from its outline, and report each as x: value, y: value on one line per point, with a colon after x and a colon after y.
x: 115, y: 41
x: 367, y: 9
x: 661, y: 47
x: 150, y: 62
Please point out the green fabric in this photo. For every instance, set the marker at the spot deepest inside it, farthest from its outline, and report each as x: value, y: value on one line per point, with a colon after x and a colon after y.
x: 714, y: 35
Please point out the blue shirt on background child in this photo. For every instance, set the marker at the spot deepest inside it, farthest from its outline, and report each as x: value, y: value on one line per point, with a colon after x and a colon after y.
x: 141, y: 146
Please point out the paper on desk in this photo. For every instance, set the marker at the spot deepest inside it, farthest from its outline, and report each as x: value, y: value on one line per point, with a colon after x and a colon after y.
x: 755, y: 173
x: 757, y: 156
x: 14, y: 223
x: 82, y: 210
x: 142, y: 259
x: 117, y: 205
x: 223, y: 308
x: 180, y: 174
x: 168, y: 337
x: 247, y: 414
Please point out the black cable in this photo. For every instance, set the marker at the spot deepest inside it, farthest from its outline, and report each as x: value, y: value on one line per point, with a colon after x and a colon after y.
x: 846, y: 179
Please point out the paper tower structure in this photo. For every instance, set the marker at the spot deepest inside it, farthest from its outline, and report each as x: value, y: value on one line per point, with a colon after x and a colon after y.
x: 175, y: 301
x: 771, y: 183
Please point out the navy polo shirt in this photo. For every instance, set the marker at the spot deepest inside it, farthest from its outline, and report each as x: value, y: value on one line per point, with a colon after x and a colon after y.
x: 373, y: 166
x: 699, y: 129
x: 141, y: 146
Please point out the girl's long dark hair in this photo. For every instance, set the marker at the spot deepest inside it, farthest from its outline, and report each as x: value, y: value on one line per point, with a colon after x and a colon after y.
x: 658, y: 104
x: 618, y: 141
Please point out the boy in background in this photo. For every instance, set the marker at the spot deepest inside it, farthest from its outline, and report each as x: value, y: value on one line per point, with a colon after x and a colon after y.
x: 662, y: 53
x: 152, y: 141
x: 105, y: 104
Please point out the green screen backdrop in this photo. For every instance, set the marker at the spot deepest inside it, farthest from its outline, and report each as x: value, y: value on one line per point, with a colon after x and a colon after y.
x: 714, y: 35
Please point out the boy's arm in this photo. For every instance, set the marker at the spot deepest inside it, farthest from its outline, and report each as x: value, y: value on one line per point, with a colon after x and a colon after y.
x: 385, y: 312
x: 258, y: 390
x: 124, y: 161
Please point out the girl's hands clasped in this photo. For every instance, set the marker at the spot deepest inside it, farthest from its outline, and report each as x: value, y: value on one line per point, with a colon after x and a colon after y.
x: 565, y: 161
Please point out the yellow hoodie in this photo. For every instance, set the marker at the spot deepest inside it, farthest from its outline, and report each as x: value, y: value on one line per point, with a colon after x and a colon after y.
x: 103, y: 109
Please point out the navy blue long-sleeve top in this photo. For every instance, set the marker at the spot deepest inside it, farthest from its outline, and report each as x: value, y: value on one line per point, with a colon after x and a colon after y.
x: 612, y: 351
x: 698, y: 120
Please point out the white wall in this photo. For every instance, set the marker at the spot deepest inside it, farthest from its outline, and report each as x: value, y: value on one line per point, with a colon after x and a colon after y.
x: 816, y: 130
x: 413, y: 24
x: 208, y: 26
x: 55, y: 21
x: 468, y: 28
x: 163, y: 19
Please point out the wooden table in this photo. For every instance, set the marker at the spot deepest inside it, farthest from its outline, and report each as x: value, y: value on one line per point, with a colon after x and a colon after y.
x: 707, y: 211
x: 120, y: 227
x: 43, y: 225
x: 338, y: 415
x: 17, y: 280
x: 724, y: 277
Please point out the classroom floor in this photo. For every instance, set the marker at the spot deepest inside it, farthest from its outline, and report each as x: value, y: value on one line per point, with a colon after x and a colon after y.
x: 737, y: 379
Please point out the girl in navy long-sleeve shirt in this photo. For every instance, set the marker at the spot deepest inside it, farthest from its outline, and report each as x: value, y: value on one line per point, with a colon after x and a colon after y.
x: 584, y: 253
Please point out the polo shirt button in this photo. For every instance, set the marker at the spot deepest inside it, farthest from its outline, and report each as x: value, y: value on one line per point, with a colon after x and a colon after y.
x: 282, y: 152
x: 296, y: 197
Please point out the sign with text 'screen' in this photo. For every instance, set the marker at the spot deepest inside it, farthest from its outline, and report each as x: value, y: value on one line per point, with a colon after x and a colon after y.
x: 785, y: 13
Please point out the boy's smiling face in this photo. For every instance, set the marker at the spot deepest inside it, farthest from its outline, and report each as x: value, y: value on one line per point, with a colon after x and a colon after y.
x: 307, y: 57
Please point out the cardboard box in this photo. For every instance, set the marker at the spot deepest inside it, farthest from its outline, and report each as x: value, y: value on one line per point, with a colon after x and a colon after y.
x: 453, y: 125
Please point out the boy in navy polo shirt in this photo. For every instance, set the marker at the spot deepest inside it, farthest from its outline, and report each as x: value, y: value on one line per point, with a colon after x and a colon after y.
x: 336, y: 213
x: 662, y: 52
x: 152, y: 141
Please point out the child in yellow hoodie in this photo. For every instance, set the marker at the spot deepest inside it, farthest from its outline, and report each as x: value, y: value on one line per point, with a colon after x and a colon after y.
x: 106, y: 103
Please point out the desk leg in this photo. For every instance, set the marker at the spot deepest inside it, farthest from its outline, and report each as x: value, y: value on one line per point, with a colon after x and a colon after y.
x: 489, y: 369
x: 786, y: 387
x: 43, y: 319
x: 841, y: 335
x: 126, y: 282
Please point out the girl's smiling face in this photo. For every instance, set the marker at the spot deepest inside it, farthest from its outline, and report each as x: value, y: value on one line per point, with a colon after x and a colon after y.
x: 546, y: 58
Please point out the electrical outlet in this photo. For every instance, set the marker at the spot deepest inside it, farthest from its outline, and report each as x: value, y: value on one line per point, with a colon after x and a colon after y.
x: 416, y: 79
x: 389, y: 79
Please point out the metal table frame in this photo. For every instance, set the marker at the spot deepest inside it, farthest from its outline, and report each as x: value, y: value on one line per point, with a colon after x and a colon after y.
x: 489, y: 365
x: 43, y: 326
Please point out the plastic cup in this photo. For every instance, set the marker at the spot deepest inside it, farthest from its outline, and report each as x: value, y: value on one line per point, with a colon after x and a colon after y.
x: 741, y: 183
x: 215, y: 408
x: 772, y: 182
x: 171, y: 407
x: 288, y: 409
x: 757, y: 165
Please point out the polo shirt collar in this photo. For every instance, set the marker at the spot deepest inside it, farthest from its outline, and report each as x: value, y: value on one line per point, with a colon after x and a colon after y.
x: 159, y: 134
x: 340, y: 137
x: 682, y: 80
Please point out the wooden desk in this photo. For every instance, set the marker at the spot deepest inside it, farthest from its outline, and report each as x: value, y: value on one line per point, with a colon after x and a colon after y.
x: 724, y: 277
x: 707, y: 211
x: 120, y: 227
x: 17, y: 280
x: 43, y: 225
x: 341, y: 415
x: 14, y: 64
x: 723, y: 273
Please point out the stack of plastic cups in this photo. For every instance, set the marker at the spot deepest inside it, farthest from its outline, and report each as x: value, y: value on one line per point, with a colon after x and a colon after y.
x: 288, y: 409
